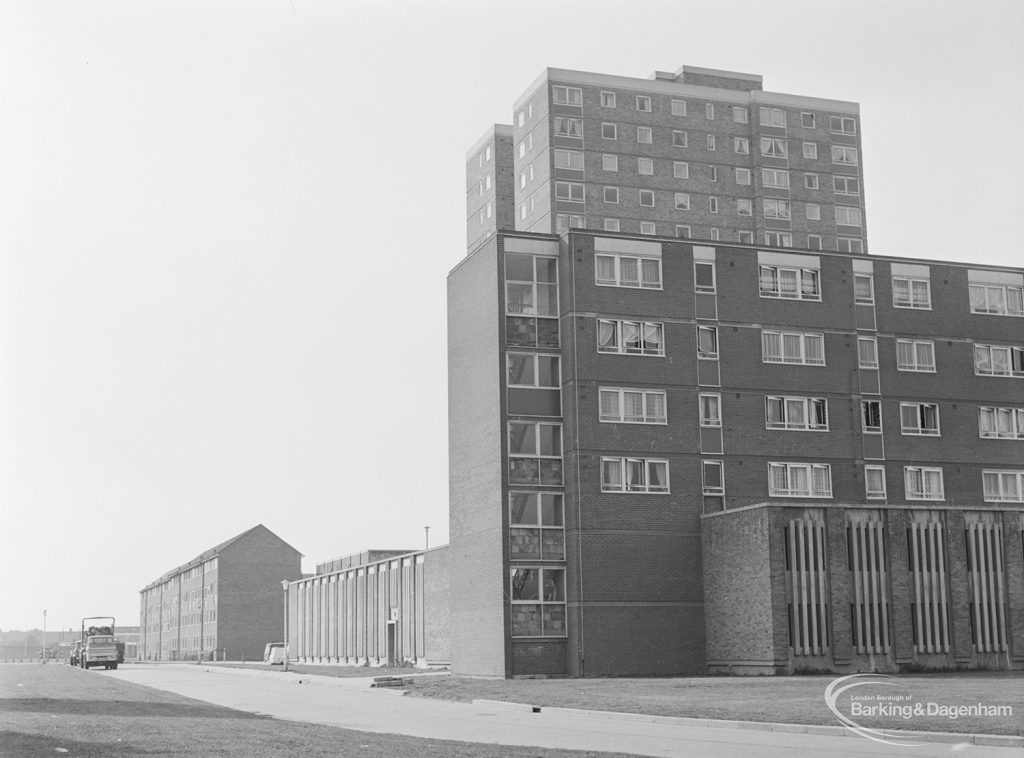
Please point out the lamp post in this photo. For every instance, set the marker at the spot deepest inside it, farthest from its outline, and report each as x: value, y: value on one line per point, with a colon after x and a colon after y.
x: 44, y: 635
x: 284, y: 586
x: 426, y: 535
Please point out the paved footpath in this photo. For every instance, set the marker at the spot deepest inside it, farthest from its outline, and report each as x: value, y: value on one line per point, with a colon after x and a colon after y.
x: 352, y: 704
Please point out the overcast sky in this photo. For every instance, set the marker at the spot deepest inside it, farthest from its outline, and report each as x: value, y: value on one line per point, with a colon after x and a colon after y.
x: 225, y: 229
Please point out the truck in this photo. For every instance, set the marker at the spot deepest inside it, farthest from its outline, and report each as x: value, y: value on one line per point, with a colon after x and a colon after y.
x: 98, y: 644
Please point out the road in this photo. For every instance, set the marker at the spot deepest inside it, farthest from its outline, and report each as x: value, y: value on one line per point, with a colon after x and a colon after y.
x: 352, y: 704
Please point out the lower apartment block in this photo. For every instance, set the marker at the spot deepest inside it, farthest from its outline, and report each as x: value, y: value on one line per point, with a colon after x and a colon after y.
x: 669, y: 457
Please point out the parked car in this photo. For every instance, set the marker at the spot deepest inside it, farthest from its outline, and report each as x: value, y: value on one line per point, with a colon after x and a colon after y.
x: 274, y: 653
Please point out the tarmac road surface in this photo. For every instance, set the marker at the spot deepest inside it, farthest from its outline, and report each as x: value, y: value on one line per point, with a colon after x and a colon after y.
x: 352, y: 704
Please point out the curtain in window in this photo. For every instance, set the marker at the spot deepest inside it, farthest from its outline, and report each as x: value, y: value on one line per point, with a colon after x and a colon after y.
x: 795, y: 413
x: 634, y: 474
x: 775, y: 411
x: 787, y: 283
x: 875, y: 480
x: 658, y: 476
x: 768, y: 280
x: 651, y: 273
x: 978, y: 300
x: 929, y: 417
x: 914, y: 482
x: 633, y: 406
x: 631, y: 336
x: 791, y: 347
x: 709, y: 410
x: 778, y: 481
x: 1015, y: 301
x: 908, y: 416
x: 1000, y: 360
x: 933, y: 483
x: 605, y: 269
x: 799, y: 481
x: 611, y: 474
x: 610, y: 404
x: 866, y: 353
x: 989, y: 421
x: 814, y: 349
x: 1009, y: 489
x: 629, y: 271
x: 606, y: 335
x: 656, y: 407
x: 706, y: 340
x: 901, y: 291
x: 920, y: 292
x: 905, y: 355
x: 924, y: 354
x: 809, y: 283
x: 862, y: 288
x: 771, y: 344
x: 652, y: 337
x: 820, y: 411
x: 822, y: 480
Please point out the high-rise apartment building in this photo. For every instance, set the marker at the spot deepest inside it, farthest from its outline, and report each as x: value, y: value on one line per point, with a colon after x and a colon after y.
x: 710, y: 452
x: 698, y: 154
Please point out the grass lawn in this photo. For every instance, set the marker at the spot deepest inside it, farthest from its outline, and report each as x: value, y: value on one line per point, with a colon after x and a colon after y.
x: 56, y: 710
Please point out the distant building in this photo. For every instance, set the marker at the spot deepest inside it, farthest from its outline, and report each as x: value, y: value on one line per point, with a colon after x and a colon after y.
x: 226, y: 603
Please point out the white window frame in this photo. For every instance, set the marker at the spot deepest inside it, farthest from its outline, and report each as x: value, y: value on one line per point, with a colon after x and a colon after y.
x: 802, y: 359
x: 538, y: 455
x: 682, y: 201
x: 809, y: 470
x: 712, y: 490
x: 772, y: 117
x: 740, y: 115
x: 646, y: 414
x: 807, y: 282
x: 711, y: 402
x: 644, y: 135
x: 810, y: 150
x: 995, y: 299
x: 1007, y: 423
x: 565, y: 192
x: 557, y: 379
x: 804, y: 118
x: 744, y: 206
x: 845, y: 155
x: 712, y: 173
x: 774, y: 147
x: 777, y: 178
x: 609, y: 128
x: 927, y: 490
x: 713, y: 207
x: 778, y: 239
x: 562, y: 95
x: 646, y: 195
x: 842, y: 124
x: 873, y: 361
x: 607, y: 99
x: 778, y: 208
x: 643, y: 266
x: 811, y: 181
x: 1009, y: 485
x: 609, y: 162
x: 644, y: 466
x: 642, y: 163
x: 874, y: 493
x: 849, y: 215
x: 741, y: 145
x: 680, y: 138
x: 682, y: 231
x: 1014, y: 360
x: 743, y: 176
x: 712, y: 144
x: 865, y: 418
x: 850, y: 245
x: 812, y: 211
x: 565, y: 126
x: 643, y: 103
x: 680, y: 170
x: 745, y: 237
x: 656, y: 348
x: 915, y: 298
x: 566, y: 158
x: 709, y: 111
x: 648, y: 227
x: 610, y: 194
x: 707, y: 335
x: 703, y: 287
x: 841, y: 184
x: 541, y: 600
x: 678, y: 107
x: 919, y: 361
x: 868, y: 299
x: 611, y: 225
x: 913, y: 419
x: 787, y: 406
x: 814, y: 242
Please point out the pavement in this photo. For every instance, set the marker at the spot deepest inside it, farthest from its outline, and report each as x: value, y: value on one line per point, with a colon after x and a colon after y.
x: 351, y: 703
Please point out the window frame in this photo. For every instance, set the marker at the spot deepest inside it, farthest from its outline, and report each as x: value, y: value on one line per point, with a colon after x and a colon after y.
x: 1014, y: 361
x: 874, y: 494
x: 710, y: 490
x: 774, y: 147
x: 706, y: 420
x: 1014, y: 429
x: 646, y: 194
x: 1006, y: 289
x: 645, y: 488
x: 569, y: 154
x: 765, y: 358
x: 924, y: 494
x: 869, y: 410
x: 842, y: 125
x: 912, y: 301
x: 641, y: 101
x: 619, y: 342
x: 641, y: 163
x: 606, y: 99
x: 538, y: 524
x: 617, y: 260
x: 779, y: 178
x: 610, y: 194
x: 810, y: 151
x: 675, y: 111
x: 682, y: 201
x: 570, y: 186
x: 646, y: 418
x: 920, y: 416
x: 809, y: 407
x: 536, y: 370
x: 776, y: 117
x: 607, y: 128
x: 703, y: 354
x: 541, y: 600
x: 869, y: 299
x: 769, y: 273
x: 644, y: 135
x: 809, y: 469
x: 873, y: 341
x: 567, y: 133
x: 845, y: 155
x: 917, y: 365
x: 851, y: 215
x: 577, y: 100
x: 742, y: 113
x: 741, y: 145
x: 999, y: 496
x: 680, y: 138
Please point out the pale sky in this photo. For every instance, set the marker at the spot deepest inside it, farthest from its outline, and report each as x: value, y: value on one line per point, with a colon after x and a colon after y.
x: 225, y: 229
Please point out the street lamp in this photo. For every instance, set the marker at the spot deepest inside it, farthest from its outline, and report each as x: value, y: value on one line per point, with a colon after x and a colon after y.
x: 284, y: 586
x: 44, y: 635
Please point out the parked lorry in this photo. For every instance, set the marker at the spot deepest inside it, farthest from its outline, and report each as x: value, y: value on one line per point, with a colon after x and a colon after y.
x: 98, y: 645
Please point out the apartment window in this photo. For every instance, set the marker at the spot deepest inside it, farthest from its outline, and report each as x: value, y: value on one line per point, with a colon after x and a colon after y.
x: 713, y: 206
x: 565, y: 221
x: 799, y: 480
x: 522, y: 180
x: 643, y: 135
x: 565, y: 127
x: 713, y: 173
x: 811, y: 150
x: 774, y: 147
x: 846, y: 185
x: 678, y: 107
x: 871, y: 416
x: 842, y: 125
x: 536, y: 526
x: 487, y: 153
x: 487, y: 182
x: 1001, y: 423
x: 778, y: 239
x: 843, y: 155
x: 569, y: 159
x: 796, y: 413
x: 522, y: 211
x: 680, y: 170
x: 811, y: 181
x: 537, y: 602
x: 743, y: 176
x: 647, y: 198
x: 682, y: 201
x: 847, y: 215
x: 814, y: 242
x: 522, y: 119
x: 739, y: 115
x: 812, y: 211
x: 634, y: 475
x: 531, y: 285
x: 679, y: 139
x: 704, y: 276
x: 911, y: 293
x: 867, y: 352
x: 915, y: 355
x: 715, y: 233
x: 874, y: 482
x: 710, y: 409
x: 628, y: 271
x: 630, y: 406
x: 773, y: 177
x: 850, y: 245
x: 1003, y: 486
x: 610, y: 162
x: 567, y: 95
x: 611, y: 194
x: 864, y: 289
x: 569, y: 191
x: 792, y: 347
x: 645, y: 166
x: 922, y: 483
x: 807, y: 120
x: 607, y: 99
x: 630, y: 337
x: 643, y: 103
x: 707, y: 342
x: 712, y: 480
x: 998, y: 360
x: 997, y: 299
x: 745, y: 237
x: 682, y: 231
x: 648, y: 227
x: 611, y: 225
x: 741, y: 145
x: 711, y: 142
x: 709, y: 111
x: 919, y: 418
x: 745, y: 207
x: 609, y: 131
x: 772, y: 117
x: 533, y: 370
x: 535, y: 453
x: 780, y: 209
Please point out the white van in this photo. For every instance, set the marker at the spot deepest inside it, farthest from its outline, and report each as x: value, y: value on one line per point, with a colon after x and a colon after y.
x: 274, y: 653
